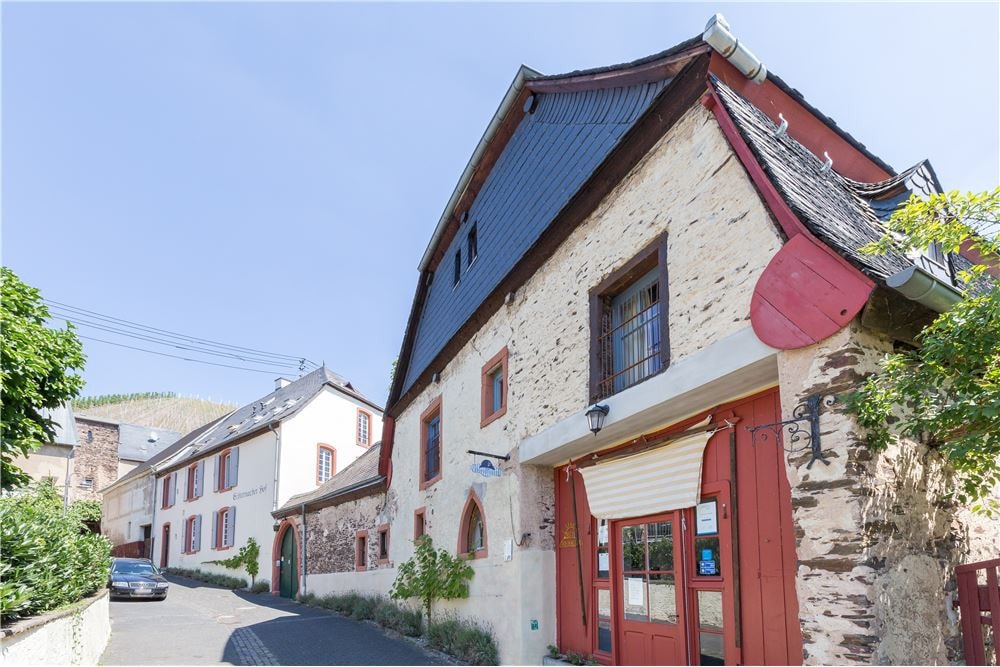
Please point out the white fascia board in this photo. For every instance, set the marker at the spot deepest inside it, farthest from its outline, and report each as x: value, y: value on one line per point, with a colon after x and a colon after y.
x: 735, y: 366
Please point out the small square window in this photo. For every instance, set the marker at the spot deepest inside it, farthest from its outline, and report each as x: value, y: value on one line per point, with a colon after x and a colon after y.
x: 361, y: 551
x: 472, y: 245
x: 494, y: 388
x: 383, y: 545
x: 88, y: 483
x: 419, y: 523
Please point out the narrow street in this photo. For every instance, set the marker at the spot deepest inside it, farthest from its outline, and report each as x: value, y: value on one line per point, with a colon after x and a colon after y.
x: 202, y: 625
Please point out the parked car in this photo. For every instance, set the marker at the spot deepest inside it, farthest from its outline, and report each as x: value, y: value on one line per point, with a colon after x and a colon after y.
x: 136, y: 578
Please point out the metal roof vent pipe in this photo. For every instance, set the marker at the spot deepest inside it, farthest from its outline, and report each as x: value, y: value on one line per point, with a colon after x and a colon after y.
x: 718, y: 35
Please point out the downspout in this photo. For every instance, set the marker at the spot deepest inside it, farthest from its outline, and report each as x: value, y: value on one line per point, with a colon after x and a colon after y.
x: 718, y: 35
x: 918, y: 285
x: 152, y: 520
x: 305, y: 587
x: 277, y: 464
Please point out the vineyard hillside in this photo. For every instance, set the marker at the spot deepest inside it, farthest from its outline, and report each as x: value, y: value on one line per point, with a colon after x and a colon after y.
x: 158, y: 410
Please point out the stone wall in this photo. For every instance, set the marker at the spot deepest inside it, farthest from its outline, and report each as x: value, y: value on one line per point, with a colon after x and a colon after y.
x: 877, y: 540
x: 331, y: 533
x: 95, y: 459
x: 73, y: 636
x: 720, y: 238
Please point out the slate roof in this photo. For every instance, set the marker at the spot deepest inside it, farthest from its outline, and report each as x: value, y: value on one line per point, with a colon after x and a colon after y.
x: 63, y: 423
x: 843, y: 213
x: 138, y: 443
x: 361, y: 472
x: 164, y: 454
x: 259, y: 415
x: 553, y: 151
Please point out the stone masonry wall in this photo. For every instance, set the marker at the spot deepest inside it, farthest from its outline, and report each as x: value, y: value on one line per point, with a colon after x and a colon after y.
x: 331, y: 532
x: 720, y: 238
x: 877, y: 542
x: 95, y: 458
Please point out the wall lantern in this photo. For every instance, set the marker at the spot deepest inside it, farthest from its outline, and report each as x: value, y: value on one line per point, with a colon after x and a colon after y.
x: 595, y: 415
x: 276, y: 526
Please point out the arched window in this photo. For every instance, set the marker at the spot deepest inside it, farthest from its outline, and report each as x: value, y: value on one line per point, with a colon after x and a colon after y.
x: 326, y: 463
x: 472, y: 535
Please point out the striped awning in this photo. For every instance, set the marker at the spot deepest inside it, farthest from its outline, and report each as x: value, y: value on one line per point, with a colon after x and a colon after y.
x: 660, y: 480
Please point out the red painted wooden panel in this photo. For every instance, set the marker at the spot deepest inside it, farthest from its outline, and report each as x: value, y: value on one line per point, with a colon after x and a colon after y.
x: 805, y: 295
x: 769, y: 607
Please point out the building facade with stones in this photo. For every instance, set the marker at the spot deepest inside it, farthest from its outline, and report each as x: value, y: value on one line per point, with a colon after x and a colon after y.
x: 218, y: 486
x: 643, y: 271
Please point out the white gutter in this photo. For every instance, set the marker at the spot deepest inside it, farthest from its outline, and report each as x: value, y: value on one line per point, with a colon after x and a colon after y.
x: 524, y: 74
x: 720, y: 37
x: 918, y: 285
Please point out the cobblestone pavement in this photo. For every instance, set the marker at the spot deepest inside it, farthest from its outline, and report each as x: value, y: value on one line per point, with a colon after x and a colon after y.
x: 202, y: 625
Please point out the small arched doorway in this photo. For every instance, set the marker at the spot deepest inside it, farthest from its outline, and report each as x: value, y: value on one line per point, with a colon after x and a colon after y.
x: 288, y: 570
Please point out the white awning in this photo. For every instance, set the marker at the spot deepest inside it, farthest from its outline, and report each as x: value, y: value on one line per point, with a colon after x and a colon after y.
x: 660, y: 480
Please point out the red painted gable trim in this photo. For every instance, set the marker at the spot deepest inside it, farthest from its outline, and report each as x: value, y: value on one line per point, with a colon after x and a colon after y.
x: 789, y: 222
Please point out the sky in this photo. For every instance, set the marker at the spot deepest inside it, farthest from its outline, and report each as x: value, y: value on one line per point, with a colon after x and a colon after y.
x: 268, y: 175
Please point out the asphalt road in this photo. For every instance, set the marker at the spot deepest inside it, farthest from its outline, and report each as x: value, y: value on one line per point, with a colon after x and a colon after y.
x: 199, y: 624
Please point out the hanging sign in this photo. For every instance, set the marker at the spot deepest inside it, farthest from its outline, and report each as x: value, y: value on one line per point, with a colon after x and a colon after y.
x: 486, y: 469
x: 706, y: 518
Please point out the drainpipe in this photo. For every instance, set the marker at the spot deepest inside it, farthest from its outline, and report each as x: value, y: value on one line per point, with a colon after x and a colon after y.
x: 277, y: 465
x: 918, y: 285
x: 720, y: 38
x: 152, y: 521
x: 305, y: 587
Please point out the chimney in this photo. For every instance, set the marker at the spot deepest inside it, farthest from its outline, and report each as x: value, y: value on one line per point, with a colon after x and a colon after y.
x: 281, y: 382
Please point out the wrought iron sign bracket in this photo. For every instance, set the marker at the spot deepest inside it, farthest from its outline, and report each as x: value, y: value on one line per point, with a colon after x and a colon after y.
x: 804, y: 425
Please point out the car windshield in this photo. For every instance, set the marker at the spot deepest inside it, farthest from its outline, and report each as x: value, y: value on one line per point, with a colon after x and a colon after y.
x: 131, y: 567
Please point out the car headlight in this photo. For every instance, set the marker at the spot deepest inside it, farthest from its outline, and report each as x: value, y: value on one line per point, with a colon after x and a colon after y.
x: 119, y: 584
x: 162, y: 584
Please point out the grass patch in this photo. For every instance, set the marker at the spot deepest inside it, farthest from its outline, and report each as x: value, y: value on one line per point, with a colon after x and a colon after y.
x: 466, y: 640
x: 223, y: 580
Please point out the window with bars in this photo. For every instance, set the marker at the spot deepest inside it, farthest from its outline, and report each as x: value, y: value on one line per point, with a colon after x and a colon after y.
x: 629, y: 317
x: 430, y: 444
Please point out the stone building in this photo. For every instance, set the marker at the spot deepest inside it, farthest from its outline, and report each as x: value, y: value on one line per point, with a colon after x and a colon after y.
x: 617, y: 392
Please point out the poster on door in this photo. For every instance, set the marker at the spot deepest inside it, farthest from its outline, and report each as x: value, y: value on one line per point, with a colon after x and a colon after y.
x: 706, y: 520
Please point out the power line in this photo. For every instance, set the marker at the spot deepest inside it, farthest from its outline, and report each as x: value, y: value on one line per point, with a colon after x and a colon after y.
x: 175, y: 356
x: 172, y: 334
x: 174, y: 344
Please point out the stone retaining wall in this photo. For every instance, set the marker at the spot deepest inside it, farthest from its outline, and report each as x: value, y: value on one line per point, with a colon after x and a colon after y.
x: 73, y: 636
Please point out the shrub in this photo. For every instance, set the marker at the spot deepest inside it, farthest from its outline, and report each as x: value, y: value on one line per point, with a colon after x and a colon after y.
x: 370, y: 607
x: 431, y: 575
x: 47, y: 556
x: 221, y: 580
x: 262, y: 586
x: 464, y: 639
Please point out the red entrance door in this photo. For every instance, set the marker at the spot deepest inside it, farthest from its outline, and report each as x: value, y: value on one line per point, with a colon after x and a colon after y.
x: 649, y: 605
x: 670, y: 574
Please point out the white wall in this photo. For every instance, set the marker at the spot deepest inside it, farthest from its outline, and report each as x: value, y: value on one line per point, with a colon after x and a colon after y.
x: 75, y: 637
x: 129, y: 504
x: 330, y: 418
x: 252, y: 497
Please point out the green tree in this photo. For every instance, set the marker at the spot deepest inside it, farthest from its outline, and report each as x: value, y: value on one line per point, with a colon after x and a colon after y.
x: 431, y: 574
x: 946, y: 391
x: 36, y: 369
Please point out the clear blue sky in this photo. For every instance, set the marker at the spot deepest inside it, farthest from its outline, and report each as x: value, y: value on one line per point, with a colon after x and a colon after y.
x: 268, y: 175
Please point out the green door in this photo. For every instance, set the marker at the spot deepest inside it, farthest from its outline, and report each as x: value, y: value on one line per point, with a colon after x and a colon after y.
x: 289, y: 575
